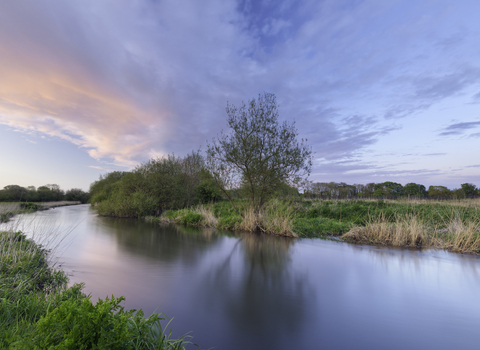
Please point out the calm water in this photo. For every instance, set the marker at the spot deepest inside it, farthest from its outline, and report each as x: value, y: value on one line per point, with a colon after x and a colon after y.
x: 243, y: 291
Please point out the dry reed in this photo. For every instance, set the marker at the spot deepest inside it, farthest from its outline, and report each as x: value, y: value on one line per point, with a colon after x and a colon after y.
x: 209, y: 219
x: 411, y: 231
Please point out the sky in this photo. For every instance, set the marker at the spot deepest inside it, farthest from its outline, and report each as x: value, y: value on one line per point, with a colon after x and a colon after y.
x: 383, y: 90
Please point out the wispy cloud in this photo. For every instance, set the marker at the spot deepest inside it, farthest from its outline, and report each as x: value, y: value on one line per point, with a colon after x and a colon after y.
x: 459, y: 128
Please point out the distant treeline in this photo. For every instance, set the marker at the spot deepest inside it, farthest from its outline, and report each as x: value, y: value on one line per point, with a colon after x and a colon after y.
x: 386, y: 189
x: 47, y: 193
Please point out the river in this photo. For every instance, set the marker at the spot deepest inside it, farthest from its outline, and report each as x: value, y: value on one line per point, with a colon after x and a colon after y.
x: 248, y: 291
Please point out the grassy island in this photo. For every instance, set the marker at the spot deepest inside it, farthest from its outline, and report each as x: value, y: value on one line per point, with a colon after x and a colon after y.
x: 448, y: 224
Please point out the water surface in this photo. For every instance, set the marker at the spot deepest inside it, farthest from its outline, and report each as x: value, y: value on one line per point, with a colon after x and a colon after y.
x: 245, y: 291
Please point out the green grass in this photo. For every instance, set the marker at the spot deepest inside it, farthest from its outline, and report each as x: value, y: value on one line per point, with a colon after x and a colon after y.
x: 38, y: 311
x: 320, y: 227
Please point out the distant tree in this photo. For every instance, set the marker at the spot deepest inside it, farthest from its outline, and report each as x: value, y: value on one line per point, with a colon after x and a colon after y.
x: 469, y: 189
x: 260, y: 154
x: 369, y: 189
x: 76, y: 194
x: 439, y: 192
x: 413, y: 189
x: 359, y: 190
x: 458, y: 193
x: 49, y: 193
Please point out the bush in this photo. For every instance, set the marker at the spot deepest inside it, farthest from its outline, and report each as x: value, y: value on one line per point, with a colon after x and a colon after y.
x: 191, y: 218
x: 229, y: 222
x: 78, y: 324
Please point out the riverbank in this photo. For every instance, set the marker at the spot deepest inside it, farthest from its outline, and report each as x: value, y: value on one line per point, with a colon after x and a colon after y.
x: 10, y: 209
x: 451, y: 224
x: 38, y: 310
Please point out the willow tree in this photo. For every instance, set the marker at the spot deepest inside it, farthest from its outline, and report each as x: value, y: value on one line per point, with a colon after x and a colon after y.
x: 259, y: 154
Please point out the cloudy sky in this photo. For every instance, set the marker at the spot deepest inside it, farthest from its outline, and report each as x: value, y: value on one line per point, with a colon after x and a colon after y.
x: 383, y: 90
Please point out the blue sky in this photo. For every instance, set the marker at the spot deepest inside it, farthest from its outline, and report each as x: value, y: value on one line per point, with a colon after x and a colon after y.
x: 382, y: 90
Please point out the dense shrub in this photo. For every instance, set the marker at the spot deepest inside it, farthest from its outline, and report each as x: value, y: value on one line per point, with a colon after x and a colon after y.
x: 151, y: 188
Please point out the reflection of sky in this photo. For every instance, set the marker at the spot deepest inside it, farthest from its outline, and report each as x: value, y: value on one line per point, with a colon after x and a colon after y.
x: 425, y: 300
x: 383, y: 90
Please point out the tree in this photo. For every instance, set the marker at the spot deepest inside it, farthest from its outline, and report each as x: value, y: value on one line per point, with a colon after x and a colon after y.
x: 76, y: 194
x: 260, y: 154
x: 439, y: 191
x: 469, y: 189
x: 413, y: 189
x: 388, y: 188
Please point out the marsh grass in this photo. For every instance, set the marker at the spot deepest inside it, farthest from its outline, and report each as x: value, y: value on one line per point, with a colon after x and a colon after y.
x: 455, y: 232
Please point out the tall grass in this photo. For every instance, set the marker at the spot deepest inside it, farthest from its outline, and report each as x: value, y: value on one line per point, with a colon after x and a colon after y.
x: 454, y: 233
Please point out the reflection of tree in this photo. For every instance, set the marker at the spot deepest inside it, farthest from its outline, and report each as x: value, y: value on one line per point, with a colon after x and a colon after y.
x: 257, y: 291
x: 164, y: 242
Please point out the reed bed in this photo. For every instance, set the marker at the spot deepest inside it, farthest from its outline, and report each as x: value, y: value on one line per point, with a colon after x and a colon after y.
x: 454, y: 233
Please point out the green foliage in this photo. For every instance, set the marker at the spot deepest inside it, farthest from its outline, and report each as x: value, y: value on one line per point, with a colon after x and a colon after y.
x: 29, y: 206
x: 103, y: 188
x: 79, y: 324
x: 319, y: 227
x: 469, y: 189
x: 4, y: 217
x: 260, y: 154
x: 230, y: 222
x: 191, y: 218
x: 47, y: 193
x: 153, y: 187
x: 439, y: 192
x: 77, y: 195
x: 414, y: 189
x: 388, y: 188
x: 458, y: 193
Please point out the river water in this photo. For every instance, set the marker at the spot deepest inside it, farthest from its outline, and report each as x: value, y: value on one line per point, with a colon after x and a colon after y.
x: 247, y: 291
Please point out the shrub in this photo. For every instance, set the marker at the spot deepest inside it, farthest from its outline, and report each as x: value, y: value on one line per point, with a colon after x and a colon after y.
x: 78, y: 324
x: 229, y: 222
x: 191, y: 218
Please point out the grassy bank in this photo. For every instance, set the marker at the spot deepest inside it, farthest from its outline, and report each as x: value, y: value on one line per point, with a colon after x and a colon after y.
x: 452, y: 224
x: 10, y: 209
x: 39, y: 311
